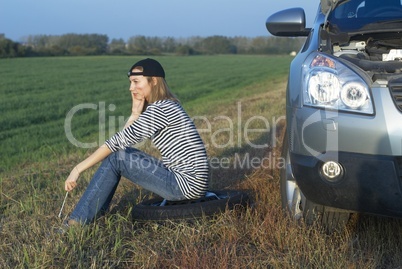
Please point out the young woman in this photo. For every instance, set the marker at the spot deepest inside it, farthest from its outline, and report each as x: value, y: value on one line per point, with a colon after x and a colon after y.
x: 156, y: 114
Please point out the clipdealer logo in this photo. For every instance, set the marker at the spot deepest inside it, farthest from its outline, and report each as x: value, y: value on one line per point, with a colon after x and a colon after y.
x: 221, y: 132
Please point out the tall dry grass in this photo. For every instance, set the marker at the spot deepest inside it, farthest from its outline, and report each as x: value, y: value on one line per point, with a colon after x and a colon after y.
x: 260, y: 236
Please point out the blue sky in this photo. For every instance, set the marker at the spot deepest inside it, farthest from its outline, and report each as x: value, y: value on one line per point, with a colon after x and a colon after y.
x: 125, y: 18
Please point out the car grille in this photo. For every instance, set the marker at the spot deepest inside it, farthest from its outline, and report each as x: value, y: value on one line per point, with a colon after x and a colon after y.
x: 396, y: 92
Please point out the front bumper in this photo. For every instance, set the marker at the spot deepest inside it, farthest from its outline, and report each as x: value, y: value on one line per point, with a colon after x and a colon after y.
x: 370, y: 183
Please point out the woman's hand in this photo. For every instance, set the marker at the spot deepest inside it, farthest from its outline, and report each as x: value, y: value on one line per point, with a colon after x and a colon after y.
x: 71, y: 181
x: 138, y: 101
x: 136, y: 108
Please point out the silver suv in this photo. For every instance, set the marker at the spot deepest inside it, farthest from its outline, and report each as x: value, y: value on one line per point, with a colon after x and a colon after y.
x: 343, y: 143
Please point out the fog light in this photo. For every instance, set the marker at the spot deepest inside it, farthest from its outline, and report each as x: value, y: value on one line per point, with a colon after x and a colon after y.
x: 332, y: 170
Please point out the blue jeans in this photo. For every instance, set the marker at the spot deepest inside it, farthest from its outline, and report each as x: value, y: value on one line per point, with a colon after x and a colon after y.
x: 133, y: 164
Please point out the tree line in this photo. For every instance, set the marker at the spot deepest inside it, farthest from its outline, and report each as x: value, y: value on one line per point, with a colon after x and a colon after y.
x: 97, y: 44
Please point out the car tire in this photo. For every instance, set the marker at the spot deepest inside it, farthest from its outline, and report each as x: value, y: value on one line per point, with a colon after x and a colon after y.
x: 299, y: 207
x: 190, y: 209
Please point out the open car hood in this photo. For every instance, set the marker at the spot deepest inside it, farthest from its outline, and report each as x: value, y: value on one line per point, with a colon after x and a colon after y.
x: 327, y: 5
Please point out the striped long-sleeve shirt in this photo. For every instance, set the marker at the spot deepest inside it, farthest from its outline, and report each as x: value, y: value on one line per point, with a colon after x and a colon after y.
x: 174, y: 134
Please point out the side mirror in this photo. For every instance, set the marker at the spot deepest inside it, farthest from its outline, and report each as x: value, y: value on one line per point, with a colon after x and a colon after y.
x: 289, y: 22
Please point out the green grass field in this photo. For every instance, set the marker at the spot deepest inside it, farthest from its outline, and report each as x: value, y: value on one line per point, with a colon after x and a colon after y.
x: 37, y: 94
x: 222, y: 94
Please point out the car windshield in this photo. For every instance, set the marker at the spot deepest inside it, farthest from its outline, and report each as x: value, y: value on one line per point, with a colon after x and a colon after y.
x: 357, y: 15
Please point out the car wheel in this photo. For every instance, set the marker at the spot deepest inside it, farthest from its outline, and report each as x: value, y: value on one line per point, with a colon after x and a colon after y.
x: 299, y: 207
x: 214, y: 202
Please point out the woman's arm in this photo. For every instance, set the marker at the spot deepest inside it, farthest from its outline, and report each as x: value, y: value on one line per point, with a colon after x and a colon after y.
x: 100, y: 154
x: 131, y: 119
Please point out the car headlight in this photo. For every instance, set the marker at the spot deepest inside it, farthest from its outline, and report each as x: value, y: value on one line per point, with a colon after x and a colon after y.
x: 330, y: 84
x: 323, y: 87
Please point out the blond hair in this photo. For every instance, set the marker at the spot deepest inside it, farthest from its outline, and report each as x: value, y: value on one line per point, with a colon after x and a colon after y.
x: 159, y: 90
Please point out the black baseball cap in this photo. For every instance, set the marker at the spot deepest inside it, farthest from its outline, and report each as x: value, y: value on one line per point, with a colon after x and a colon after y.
x: 150, y: 67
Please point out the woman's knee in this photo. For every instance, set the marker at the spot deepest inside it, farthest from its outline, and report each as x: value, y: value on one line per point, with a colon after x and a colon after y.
x: 116, y: 157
